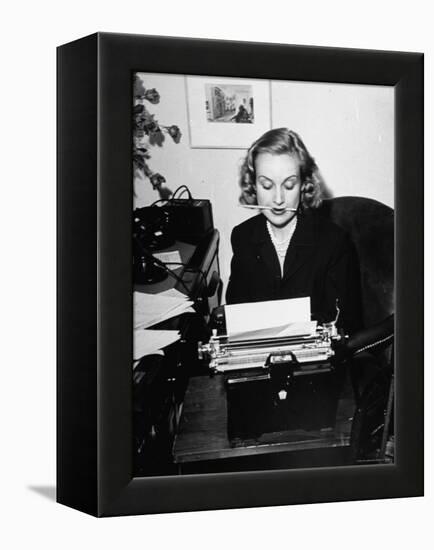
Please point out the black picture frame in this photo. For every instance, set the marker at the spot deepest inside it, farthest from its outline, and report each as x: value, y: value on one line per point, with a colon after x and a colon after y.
x: 94, y: 419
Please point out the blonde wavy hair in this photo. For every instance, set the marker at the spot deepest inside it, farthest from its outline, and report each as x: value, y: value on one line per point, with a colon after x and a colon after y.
x: 281, y: 141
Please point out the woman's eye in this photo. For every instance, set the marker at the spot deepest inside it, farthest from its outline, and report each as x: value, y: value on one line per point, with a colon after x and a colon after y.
x: 265, y: 183
x: 289, y: 184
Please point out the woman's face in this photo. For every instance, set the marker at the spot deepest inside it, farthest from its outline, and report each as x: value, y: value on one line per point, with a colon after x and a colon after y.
x: 278, y: 186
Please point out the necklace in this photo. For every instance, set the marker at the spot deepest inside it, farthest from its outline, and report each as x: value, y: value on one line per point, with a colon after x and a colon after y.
x: 282, y: 246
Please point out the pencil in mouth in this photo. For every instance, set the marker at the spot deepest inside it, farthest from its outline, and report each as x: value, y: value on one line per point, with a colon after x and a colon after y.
x: 259, y: 207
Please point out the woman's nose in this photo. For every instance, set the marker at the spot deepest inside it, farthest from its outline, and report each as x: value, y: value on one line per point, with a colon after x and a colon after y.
x: 278, y: 196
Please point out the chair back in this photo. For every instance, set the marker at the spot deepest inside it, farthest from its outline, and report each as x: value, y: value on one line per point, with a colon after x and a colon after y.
x: 370, y: 225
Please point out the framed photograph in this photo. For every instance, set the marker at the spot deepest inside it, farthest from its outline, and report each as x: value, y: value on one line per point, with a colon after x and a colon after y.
x: 237, y: 322
x: 227, y: 112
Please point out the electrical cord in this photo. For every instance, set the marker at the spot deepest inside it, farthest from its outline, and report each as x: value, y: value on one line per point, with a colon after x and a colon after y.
x: 374, y: 344
x: 174, y: 196
x: 190, y: 269
x: 159, y: 200
x: 185, y: 189
x: 161, y: 264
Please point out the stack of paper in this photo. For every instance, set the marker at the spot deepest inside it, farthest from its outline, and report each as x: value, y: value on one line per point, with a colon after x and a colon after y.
x: 150, y: 309
x: 172, y: 257
x: 275, y: 318
x: 147, y: 342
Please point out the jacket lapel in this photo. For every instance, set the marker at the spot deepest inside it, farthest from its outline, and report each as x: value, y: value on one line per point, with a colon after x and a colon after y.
x: 267, y: 255
x: 301, y: 246
x: 299, y: 250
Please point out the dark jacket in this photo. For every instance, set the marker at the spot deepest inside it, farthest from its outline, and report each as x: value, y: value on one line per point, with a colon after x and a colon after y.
x: 320, y: 262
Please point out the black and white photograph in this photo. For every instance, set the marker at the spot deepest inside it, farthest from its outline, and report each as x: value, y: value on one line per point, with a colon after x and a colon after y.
x: 263, y: 275
x: 223, y: 320
x: 225, y: 113
x: 231, y: 103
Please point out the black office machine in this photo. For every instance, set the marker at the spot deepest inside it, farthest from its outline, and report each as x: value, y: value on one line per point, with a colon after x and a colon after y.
x: 277, y: 383
x: 187, y: 220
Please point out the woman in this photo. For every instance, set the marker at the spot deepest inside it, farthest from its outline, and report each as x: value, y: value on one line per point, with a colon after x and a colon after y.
x: 289, y: 250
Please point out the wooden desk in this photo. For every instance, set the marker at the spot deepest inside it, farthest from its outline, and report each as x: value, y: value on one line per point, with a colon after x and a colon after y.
x: 159, y: 383
x: 200, y: 275
x: 202, y: 434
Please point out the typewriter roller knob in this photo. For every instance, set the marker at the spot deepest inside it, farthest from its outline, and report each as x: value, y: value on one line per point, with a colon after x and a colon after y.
x: 282, y: 395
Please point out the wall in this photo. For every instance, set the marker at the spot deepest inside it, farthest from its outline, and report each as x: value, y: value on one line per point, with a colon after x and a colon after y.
x: 347, y: 128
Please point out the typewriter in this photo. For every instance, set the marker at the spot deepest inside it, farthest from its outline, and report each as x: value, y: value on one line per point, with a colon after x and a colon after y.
x: 275, y: 380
